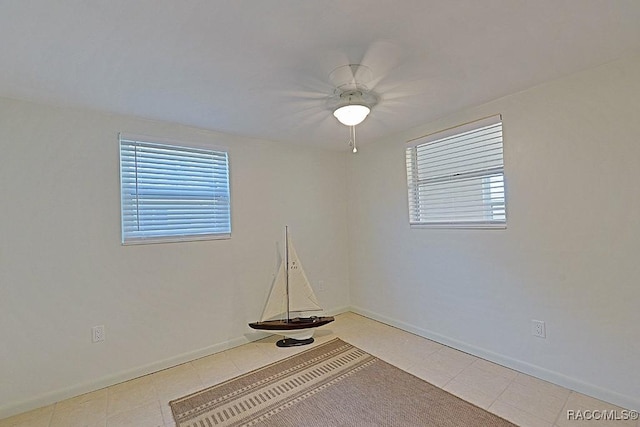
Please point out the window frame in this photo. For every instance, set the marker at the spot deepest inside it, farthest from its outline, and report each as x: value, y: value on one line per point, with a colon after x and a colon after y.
x: 129, y: 138
x: 415, y: 204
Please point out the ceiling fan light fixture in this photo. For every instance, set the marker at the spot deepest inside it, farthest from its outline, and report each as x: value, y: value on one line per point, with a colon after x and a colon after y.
x: 352, y: 114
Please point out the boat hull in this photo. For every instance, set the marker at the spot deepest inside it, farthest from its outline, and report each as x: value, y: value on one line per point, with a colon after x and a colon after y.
x: 299, y: 328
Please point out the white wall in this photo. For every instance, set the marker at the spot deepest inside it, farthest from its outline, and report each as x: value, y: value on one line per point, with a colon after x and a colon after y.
x: 63, y: 269
x: 570, y: 255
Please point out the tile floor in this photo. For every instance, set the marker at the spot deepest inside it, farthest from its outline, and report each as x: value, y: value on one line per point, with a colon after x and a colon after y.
x: 143, y: 402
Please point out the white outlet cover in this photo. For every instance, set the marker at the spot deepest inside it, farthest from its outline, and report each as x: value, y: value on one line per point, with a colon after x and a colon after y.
x: 538, y: 329
x: 97, y: 333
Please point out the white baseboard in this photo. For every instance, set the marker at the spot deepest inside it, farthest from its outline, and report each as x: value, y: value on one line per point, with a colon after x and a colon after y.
x: 624, y: 401
x: 8, y: 410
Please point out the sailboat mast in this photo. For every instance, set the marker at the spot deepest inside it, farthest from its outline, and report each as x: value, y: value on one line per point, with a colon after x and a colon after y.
x: 286, y: 260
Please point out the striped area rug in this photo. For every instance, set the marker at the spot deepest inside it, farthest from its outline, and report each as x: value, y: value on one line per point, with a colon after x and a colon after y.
x: 333, y: 384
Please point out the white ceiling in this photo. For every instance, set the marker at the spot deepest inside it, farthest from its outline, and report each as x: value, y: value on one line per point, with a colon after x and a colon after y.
x: 261, y: 68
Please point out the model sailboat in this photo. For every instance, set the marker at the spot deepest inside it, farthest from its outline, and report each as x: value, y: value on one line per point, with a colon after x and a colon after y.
x: 290, y: 299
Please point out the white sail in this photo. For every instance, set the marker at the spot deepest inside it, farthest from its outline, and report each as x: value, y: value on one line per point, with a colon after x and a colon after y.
x: 301, y: 296
x: 276, y: 307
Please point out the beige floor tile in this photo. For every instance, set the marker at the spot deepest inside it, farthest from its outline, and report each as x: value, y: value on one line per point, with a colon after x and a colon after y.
x: 535, y: 399
x: 477, y: 396
x: 448, y: 361
x: 148, y: 415
x: 130, y: 395
x: 87, y: 410
x: 344, y: 320
x: 495, y: 369
x: 517, y: 416
x: 176, y: 382
x: 541, y: 385
x: 407, y: 350
x: 435, y: 377
x: 40, y: 417
x: 167, y: 416
x: 419, y: 351
x: 360, y: 341
x: 215, y: 369
x: 480, y: 378
x: 251, y: 356
x: 346, y: 329
x: 477, y: 386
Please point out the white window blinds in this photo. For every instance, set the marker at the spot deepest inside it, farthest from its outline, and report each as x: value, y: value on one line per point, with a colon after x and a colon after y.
x: 456, y: 177
x: 173, y: 193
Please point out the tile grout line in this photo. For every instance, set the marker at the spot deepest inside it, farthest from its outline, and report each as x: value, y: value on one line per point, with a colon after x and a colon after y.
x: 502, y: 392
x: 555, y: 422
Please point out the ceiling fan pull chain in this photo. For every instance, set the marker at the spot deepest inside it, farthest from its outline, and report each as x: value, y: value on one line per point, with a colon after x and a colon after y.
x: 352, y: 142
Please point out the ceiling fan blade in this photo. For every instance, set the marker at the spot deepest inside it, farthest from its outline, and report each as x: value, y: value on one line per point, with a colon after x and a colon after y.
x: 306, y: 87
x: 407, y: 88
x: 382, y: 57
x: 310, y: 119
x: 303, y: 94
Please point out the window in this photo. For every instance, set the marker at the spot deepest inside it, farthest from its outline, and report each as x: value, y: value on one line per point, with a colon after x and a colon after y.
x: 172, y: 193
x: 456, y: 177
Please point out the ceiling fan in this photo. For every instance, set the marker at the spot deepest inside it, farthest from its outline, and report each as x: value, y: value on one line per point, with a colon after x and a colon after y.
x: 382, y: 79
x: 352, y: 100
